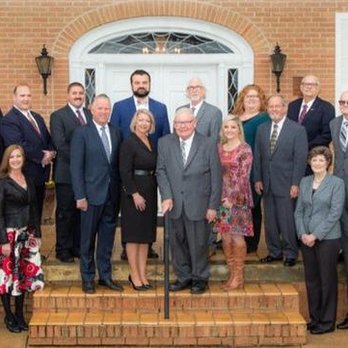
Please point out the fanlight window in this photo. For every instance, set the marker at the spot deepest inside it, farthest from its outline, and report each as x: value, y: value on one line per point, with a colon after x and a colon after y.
x: 160, y: 43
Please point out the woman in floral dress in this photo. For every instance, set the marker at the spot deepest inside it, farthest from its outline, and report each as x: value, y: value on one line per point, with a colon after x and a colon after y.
x: 234, y: 220
x: 20, y: 260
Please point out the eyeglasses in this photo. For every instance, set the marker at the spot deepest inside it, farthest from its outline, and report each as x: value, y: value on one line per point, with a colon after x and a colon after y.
x: 191, y: 88
x: 309, y: 84
x: 182, y: 123
x: 343, y: 102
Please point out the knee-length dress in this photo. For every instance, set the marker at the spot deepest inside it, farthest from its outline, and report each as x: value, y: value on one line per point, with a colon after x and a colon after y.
x: 138, y: 226
x: 236, y: 166
x: 21, y: 271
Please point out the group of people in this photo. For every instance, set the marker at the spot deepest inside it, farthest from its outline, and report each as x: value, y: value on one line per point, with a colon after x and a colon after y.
x: 211, y: 173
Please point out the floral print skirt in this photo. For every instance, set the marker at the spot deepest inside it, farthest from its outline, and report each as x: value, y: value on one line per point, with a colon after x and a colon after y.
x: 21, y: 271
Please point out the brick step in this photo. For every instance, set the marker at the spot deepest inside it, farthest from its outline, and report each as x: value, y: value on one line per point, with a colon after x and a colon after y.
x: 253, y: 297
x: 184, y: 328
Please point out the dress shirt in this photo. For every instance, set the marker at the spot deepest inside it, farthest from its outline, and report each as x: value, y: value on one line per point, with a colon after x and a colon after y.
x: 81, y: 112
x: 280, y: 126
x: 143, y: 105
x: 188, y: 144
x: 309, y: 105
x: 107, y: 131
x: 28, y: 116
x: 196, y: 107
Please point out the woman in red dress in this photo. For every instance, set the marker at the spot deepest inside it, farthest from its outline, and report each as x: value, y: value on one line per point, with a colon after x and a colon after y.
x: 20, y: 260
x: 234, y: 220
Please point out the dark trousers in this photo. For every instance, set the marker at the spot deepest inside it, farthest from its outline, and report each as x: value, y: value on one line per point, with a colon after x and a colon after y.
x: 253, y: 241
x: 40, y: 197
x: 98, y: 222
x: 280, y: 233
x: 67, y: 222
x: 320, y: 266
x: 189, y: 248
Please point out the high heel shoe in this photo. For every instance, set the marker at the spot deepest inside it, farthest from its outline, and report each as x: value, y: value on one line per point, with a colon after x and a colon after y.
x: 12, y: 325
x: 149, y: 286
x: 135, y: 287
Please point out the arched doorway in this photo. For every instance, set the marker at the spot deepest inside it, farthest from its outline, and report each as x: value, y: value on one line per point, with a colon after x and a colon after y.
x: 172, y: 50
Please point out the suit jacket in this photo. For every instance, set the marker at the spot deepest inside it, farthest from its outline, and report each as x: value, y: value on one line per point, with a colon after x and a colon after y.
x: 195, y: 187
x: 63, y: 122
x: 286, y: 166
x: 93, y: 177
x: 16, y: 129
x: 319, y: 212
x: 316, y: 120
x: 124, y: 110
x: 209, y: 120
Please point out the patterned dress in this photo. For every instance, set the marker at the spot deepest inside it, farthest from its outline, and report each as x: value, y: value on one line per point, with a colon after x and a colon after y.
x: 21, y: 271
x: 236, y: 166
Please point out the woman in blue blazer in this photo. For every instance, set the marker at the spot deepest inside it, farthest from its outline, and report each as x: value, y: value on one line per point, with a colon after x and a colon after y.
x: 318, y: 211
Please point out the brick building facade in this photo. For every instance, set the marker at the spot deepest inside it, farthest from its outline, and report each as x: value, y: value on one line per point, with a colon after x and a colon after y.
x: 304, y: 29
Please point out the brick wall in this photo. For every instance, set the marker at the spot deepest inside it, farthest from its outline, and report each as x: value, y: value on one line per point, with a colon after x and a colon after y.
x: 305, y: 31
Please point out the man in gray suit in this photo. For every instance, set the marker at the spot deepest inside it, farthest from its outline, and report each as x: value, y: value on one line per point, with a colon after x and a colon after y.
x: 208, y: 122
x: 189, y: 179
x: 339, y: 134
x: 63, y: 122
x: 280, y: 158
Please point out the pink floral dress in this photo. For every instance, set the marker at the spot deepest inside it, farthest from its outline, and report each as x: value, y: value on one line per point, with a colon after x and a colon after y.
x: 236, y: 167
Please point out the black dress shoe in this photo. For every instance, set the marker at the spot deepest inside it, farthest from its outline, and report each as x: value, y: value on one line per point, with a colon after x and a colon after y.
x: 311, y: 325
x: 11, y: 324
x: 65, y: 258
x: 269, y: 259
x: 178, y: 286
x: 343, y: 325
x: 22, y: 324
x: 151, y: 254
x: 199, y: 287
x: 289, y: 262
x: 141, y: 287
x: 318, y: 330
x: 88, y: 287
x: 123, y: 255
x: 111, y: 285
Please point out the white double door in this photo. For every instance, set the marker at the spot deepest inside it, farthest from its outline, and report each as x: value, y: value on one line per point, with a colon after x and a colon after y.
x: 168, y: 83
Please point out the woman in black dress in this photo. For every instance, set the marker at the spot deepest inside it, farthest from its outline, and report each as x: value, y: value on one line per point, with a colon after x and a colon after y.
x: 20, y: 238
x: 139, y: 196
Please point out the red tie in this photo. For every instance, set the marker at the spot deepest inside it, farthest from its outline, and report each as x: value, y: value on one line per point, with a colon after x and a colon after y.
x: 30, y: 118
x: 303, y: 113
x: 80, y: 118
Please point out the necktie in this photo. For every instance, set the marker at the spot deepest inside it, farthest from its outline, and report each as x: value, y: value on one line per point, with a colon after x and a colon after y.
x: 303, y: 113
x: 80, y: 118
x: 343, y: 136
x: 30, y: 118
x: 193, y: 110
x: 273, y: 139
x: 183, y: 152
x: 105, y: 142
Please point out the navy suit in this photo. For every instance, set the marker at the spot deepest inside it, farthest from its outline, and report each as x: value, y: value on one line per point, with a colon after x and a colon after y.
x: 16, y: 129
x: 124, y: 110
x: 316, y: 121
x: 63, y: 123
x: 95, y: 178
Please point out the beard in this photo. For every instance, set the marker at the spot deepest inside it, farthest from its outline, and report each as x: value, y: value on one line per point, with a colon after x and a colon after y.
x: 141, y: 92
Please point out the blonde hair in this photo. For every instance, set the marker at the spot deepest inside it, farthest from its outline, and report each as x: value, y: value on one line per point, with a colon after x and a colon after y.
x: 143, y: 112
x: 236, y: 119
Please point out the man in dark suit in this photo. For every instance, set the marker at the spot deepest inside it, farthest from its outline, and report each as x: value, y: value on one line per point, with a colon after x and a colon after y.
x: 280, y: 157
x: 339, y: 133
x: 208, y: 122
x: 312, y: 112
x: 189, y: 179
x: 95, y: 179
x: 27, y: 128
x: 63, y: 122
x: 124, y: 110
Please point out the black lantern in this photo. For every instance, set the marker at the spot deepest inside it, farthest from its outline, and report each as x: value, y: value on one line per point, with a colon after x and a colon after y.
x: 44, y: 64
x: 278, y: 62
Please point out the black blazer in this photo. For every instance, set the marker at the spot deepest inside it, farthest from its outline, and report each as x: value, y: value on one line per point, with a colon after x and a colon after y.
x: 16, y: 129
x: 316, y: 121
x: 63, y: 123
x: 18, y: 207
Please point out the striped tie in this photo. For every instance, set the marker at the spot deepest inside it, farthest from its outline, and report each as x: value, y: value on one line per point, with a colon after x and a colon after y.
x: 183, y: 152
x: 273, y: 139
x: 105, y: 142
x: 343, y: 136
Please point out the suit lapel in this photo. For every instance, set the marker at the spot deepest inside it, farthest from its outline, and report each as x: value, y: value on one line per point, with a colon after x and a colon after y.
x: 201, y: 112
x: 96, y: 135
x: 30, y: 126
x: 177, y: 151
x: 193, y: 150
x: 281, y: 135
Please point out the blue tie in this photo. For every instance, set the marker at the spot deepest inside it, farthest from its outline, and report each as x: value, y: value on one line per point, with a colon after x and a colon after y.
x: 105, y: 142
